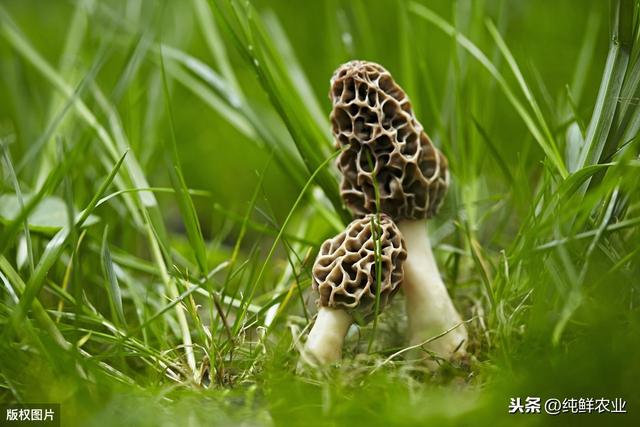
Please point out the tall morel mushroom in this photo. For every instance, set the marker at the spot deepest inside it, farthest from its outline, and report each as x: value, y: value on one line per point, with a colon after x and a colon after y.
x: 386, y: 147
x: 345, y: 277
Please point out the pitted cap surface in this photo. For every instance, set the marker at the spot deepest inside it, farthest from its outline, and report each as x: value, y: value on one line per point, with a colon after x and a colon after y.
x: 372, y: 117
x: 344, y: 273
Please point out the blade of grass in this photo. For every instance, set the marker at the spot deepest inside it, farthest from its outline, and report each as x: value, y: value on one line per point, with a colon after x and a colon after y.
x: 550, y: 141
x: 236, y: 251
x: 39, y: 313
x: 73, y: 241
x: 576, y: 298
x: 502, y: 164
x: 152, y: 222
x: 52, y: 181
x: 52, y: 253
x: 215, y: 91
x: 214, y: 41
x: 178, y: 299
x: 610, y: 87
x: 585, y: 55
x: 408, y: 55
x: 72, y: 264
x: 273, y: 75
x: 376, y: 228
x: 481, y: 264
x: 470, y: 47
x: 189, y: 215
x: 296, y: 74
x: 55, y: 121
x: 113, y: 287
x: 113, y: 147
x: 279, y: 236
x: 628, y: 223
x: 16, y: 187
x: 75, y: 35
x: 159, y: 252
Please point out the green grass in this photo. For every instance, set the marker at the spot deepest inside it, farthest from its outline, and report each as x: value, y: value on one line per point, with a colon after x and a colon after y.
x: 167, y: 178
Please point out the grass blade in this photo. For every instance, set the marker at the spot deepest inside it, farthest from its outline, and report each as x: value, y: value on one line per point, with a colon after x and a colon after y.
x: 468, y: 45
x: 113, y: 288
x: 610, y: 86
x: 185, y: 202
x: 52, y: 181
x: 54, y: 250
x: 279, y: 236
x: 16, y: 186
x: 550, y: 142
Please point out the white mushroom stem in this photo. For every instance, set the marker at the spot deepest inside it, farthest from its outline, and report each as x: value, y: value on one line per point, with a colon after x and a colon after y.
x: 430, y: 310
x: 324, y: 344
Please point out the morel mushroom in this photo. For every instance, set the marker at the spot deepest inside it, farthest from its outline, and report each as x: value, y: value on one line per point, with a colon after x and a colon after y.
x: 345, y: 277
x: 390, y: 165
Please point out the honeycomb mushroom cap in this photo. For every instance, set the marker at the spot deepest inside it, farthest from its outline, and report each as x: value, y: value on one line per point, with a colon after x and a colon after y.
x: 344, y: 273
x: 372, y: 118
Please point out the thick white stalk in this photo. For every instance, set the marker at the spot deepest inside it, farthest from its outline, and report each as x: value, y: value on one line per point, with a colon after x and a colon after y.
x: 430, y: 311
x: 324, y: 344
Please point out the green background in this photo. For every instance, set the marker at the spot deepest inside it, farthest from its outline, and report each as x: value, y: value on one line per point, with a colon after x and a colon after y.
x: 546, y: 268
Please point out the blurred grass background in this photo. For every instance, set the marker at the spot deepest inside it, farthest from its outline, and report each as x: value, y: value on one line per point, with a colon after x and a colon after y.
x: 183, y: 304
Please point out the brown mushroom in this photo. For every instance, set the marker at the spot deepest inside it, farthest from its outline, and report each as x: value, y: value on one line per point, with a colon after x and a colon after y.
x: 389, y: 158
x: 345, y: 278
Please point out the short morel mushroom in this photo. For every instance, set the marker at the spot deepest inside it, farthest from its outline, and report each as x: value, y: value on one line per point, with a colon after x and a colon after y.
x: 390, y: 165
x: 345, y: 275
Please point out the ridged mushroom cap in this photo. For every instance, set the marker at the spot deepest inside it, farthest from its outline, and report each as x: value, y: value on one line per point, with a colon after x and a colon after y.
x: 344, y: 273
x: 372, y: 117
